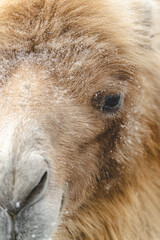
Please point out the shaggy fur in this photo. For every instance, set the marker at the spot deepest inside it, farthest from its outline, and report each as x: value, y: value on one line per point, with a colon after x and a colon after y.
x: 86, y: 50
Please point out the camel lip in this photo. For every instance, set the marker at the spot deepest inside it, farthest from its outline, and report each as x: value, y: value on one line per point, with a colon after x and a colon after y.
x: 9, y: 222
x: 13, y: 220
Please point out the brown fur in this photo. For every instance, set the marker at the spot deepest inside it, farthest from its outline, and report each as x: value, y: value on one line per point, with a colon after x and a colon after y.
x: 112, y: 164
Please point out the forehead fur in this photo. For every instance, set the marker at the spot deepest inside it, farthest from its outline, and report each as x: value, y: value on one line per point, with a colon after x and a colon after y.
x: 73, y: 37
x: 27, y: 25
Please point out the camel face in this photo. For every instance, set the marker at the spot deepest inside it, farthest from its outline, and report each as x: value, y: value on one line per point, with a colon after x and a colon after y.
x: 49, y: 144
x: 53, y: 146
x: 78, y: 125
x: 44, y: 133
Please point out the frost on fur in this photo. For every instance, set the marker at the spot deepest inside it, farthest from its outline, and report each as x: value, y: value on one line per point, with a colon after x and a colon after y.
x: 79, y: 126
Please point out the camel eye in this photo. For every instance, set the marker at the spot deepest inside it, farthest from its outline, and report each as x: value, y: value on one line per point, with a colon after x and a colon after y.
x: 112, y: 103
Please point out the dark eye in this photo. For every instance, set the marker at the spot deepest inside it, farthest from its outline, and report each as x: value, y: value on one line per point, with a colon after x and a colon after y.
x: 112, y: 103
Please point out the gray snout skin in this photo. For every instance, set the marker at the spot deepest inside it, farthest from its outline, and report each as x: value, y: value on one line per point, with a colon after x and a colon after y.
x: 31, y: 223
x: 29, y: 212
x: 16, y: 205
x: 30, y: 200
x: 5, y: 224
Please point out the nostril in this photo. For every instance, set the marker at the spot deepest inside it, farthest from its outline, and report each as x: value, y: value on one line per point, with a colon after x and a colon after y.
x: 38, y: 190
x: 27, y: 194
